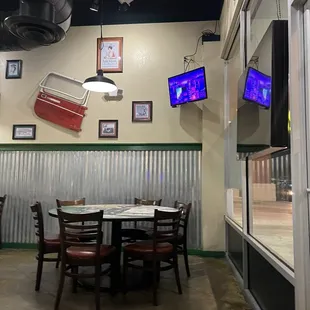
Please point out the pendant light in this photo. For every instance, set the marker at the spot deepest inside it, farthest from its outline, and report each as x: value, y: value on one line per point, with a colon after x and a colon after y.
x: 100, y: 83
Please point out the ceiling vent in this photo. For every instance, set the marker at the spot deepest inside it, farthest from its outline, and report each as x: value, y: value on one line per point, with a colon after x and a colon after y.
x: 37, y: 23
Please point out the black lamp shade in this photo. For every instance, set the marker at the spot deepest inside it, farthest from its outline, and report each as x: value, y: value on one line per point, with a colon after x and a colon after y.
x: 99, y: 83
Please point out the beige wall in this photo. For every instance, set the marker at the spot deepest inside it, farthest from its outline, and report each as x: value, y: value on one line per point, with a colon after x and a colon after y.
x: 152, y: 53
x: 229, y: 8
x: 213, y: 190
x: 266, y: 13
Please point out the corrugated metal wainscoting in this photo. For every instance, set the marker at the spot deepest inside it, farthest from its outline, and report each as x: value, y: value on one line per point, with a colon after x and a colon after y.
x: 273, y: 169
x: 101, y: 177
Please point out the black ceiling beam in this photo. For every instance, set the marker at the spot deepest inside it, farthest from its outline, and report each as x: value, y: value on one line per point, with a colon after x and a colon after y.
x: 140, y: 11
x: 147, y: 11
x: 9, y: 5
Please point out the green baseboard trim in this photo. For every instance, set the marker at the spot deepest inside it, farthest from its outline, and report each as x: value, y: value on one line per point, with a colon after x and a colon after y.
x: 29, y: 246
x: 23, y: 246
x: 254, y: 148
x: 102, y: 147
x: 212, y: 254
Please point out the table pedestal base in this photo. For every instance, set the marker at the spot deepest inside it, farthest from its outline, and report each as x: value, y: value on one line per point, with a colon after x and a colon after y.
x: 136, y: 280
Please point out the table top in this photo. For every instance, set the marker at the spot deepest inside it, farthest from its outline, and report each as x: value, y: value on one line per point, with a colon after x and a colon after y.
x: 116, y: 211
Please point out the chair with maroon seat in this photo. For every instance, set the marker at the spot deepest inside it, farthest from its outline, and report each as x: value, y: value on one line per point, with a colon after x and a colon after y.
x: 2, y: 202
x: 163, y: 248
x: 47, y: 244
x: 182, y: 235
x: 77, y: 253
x: 138, y: 233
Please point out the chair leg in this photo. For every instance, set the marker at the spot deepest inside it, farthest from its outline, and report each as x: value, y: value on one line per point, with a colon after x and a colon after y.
x: 74, y: 270
x: 125, y: 272
x: 186, y: 260
x: 60, y: 286
x: 177, y: 274
x: 155, y: 283
x: 58, y: 260
x: 158, y: 272
x: 97, y: 287
x: 39, y: 271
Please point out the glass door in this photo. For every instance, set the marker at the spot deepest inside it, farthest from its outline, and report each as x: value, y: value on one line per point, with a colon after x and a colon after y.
x: 299, y: 92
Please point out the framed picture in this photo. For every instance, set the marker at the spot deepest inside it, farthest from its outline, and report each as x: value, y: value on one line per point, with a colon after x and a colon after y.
x: 13, y: 69
x: 142, y: 111
x: 108, y: 129
x: 110, y: 54
x: 24, y: 132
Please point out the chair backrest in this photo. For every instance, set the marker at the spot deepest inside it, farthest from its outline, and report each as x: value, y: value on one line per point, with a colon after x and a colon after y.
x: 146, y: 202
x: 186, y: 210
x: 2, y: 203
x: 66, y: 203
x: 36, y: 210
x: 72, y: 231
x: 166, y: 227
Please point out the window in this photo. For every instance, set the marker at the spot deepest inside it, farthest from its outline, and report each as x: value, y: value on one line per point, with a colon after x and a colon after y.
x: 271, y: 204
x: 261, y: 20
x: 233, y: 166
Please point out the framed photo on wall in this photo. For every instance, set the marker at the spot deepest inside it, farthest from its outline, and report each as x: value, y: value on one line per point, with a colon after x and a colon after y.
x: 13, y: 69
x: 108, y: 129
x: 110, y: 54
x: 24, y: 132
x: 142, y: 111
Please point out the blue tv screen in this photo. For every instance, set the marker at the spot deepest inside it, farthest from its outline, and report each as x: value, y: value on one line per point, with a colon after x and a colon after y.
x: 258, y: 88
x: 188, y: 87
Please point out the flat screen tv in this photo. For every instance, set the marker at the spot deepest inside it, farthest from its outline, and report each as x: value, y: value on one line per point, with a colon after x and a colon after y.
x: 258, y: 88
x: 188, y: 87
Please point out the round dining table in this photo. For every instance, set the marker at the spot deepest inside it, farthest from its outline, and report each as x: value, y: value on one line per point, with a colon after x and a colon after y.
x: 116, y: 214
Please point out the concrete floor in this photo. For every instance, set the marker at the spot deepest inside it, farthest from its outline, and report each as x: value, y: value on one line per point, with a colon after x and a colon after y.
x: 211, y: 287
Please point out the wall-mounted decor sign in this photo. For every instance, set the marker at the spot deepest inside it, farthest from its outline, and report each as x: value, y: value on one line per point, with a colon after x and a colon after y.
x: 110, y: 54
x: 13, y: 69
x: 108, y: 129
x: 24, y: 132
x: 62, y: 101
x: 142, y: 111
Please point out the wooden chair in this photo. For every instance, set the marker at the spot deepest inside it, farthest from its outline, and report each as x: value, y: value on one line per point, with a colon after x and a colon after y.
x: 47, y: 244
x: 163, y: 248
x: 182, y: 237
x: 2, y: 203
x: 66, y: 203
x: 77, y: 253
x: 146, y: 202
x: 134, y: 234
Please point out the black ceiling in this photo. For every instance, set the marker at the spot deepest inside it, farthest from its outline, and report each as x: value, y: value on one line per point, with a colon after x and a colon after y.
x: 148, y: 11
x: 142, y: 11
